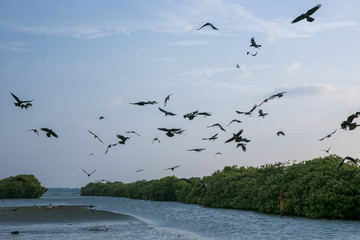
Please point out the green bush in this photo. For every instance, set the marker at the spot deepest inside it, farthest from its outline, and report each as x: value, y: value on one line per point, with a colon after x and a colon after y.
x: 21, y: 186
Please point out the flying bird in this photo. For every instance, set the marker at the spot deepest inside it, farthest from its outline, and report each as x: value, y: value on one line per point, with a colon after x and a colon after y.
x: 95, y: 136
x: 196, y: 149
x: 249, y: 113
x: 255, y: 53
x: 89, y: 174
x: 91, y: 154
x: 347, y: 158
x: 348, y: 123
x: 326, y: 150
x: 217, y: 125
x: 20, y: 103
x: 109, y: 146
x: 140, y: 170
x: 218, y: 153
x: 166, y: 112
x: 171, y: 132
x: 167, y: 99
x: 262, y: 114
x: 253, y: 43
x: 234, y: 120
x: 328, y: 136
x: 122, y: 138
x: 211, y: 138
x: 133, y: 132
x: 172, y: 168
x: 242, y: 145
x: 156, y: 139
x: 101, y: 118
x: 237, y: 65
x: 205, y: 114
x: 307, y: 15
x: 49, y: 132
x: 35, y: 131
x: 191, y: 115
x: 277, y: 95
x: 142, y: 103
x: 280, y: 133
x: 208, y: 24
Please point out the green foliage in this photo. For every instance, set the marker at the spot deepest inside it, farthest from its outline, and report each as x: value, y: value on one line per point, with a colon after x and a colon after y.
x: 21, y: 186
x: 314, y: 188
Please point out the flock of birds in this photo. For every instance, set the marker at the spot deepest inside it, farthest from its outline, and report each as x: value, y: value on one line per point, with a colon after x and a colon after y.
x: 237, y: 137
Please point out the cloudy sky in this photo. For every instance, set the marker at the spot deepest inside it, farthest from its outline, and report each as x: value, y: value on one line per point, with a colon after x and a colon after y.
x: 81, y: 60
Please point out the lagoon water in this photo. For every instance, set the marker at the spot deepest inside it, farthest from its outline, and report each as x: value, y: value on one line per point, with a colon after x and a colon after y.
x: 172, y: 220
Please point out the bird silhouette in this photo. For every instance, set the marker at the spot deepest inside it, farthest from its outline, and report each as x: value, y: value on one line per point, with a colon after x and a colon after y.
x: 237, y: 65
x: 184, y: 179
x: 348, y: 123
x: 122, y: 138
x: 91, y: 154
x: 208, y: 24
x: 347, y: 158
x: 172, y: 131
x: 167, y: 99
x: 95, y: 136
x: 212, y: 138
x: 249, y: 113
x: 109, y: 146
x: 262, y: 114
x: 20, y: 103
x: 217, y: 125
x: 142, y: 103
x: 133, y: 132
x: 156, y: 139
x: 326, y: 150
x: 328, y: 136
x: 218, y: 153
x: 255, y: 53
x: 166, y: 112
x: 236, y: 137
x: 191, y: 115
x: 242, y: 145
x: 49, y: 132
x: 253, y: 43
x: 35, y: 131
x: 277, y: 95
x: 280, y: 133
x: 205, y: 114
x: 234, y: 120
x: 307, y: 15
x: 196, y: 149
x: 101, y: 118
x: 25, y: 105
x: 172, y: 168
x: 140, y: 170
x: 89, y: 174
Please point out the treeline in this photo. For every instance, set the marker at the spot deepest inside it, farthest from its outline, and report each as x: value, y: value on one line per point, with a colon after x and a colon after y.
x: 316, y: 188
x: 21, y: 186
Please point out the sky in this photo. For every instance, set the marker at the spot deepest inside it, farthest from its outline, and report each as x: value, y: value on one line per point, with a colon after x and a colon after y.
x: 81, y: 60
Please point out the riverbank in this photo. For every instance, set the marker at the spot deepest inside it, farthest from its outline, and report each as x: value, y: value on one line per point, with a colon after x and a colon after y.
x: 59, y: 213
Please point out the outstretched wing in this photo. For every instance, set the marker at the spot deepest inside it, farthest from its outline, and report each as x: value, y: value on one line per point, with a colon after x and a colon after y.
x: 314, y: 9
x: 45, y: 129
x: 253, y: 41
x: 53, y: 134
x: 16, y: 98
x: 85, y: 172
x: 299, y: 18
x: 93, y: 171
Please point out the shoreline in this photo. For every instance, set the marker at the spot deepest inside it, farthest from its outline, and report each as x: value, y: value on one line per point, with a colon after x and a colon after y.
x: 58, y: 213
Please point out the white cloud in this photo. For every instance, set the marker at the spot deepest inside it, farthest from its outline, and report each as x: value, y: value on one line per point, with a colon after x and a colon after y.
x: 295, y: 66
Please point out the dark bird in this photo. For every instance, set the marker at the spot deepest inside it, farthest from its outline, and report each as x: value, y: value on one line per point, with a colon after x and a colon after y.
x: 217, y: 125
x: 277, y: 95
x: 262, y: 114
x: 91, y: 207
x: 167, y: 99
x: 234, y: 120
x: 196, y: 149
x: 242, y: 145
x: 19, y: 103
x: 183, y: 179
x: 327, y: 150
x: 26, y: 105
x: 238, y: 66
x: 249, y: 112
x: 156, y: 139
x: 101, y: 118
x: 191, y: 115
x: 218, y: 153
x: 91, y: 154
x: 122, y: 138
x: 280, y: 133
x: 49, y: 132
x: 208, y: 24
x: 166, y: 112
x: 109, y: 146
x: 95, y: 136
x: 347, y: 158
x: 211, y: 138
x: 255, y: 53
x: 236, y: 136
x: 35, y: 131
x: 307, y: 15
x: 328, y: 136
x: 247, y: 53
x: 133, y: 132
x: 348, y: 123
x: 253, y: 43
x: 89, y: 174
x: 172, y: 168
x: 205, y: 114
x: 171, y: 132
x: 142, y: 103
x: 140, y: 170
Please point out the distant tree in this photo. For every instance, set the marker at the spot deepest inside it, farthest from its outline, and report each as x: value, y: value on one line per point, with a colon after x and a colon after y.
x: 21, y: 186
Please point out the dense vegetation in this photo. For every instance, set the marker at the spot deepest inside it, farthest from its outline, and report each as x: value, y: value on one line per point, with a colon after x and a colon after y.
x: 21, y: 186
x: 314, y: 188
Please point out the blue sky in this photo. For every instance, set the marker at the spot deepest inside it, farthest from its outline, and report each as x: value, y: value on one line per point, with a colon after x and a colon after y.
x: 81, y: 60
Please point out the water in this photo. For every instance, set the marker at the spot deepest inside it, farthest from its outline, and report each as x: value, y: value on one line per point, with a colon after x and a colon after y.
x: 171, y: 220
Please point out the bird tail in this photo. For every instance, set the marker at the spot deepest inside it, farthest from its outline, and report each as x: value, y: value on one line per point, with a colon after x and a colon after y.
x: 310, y: 19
